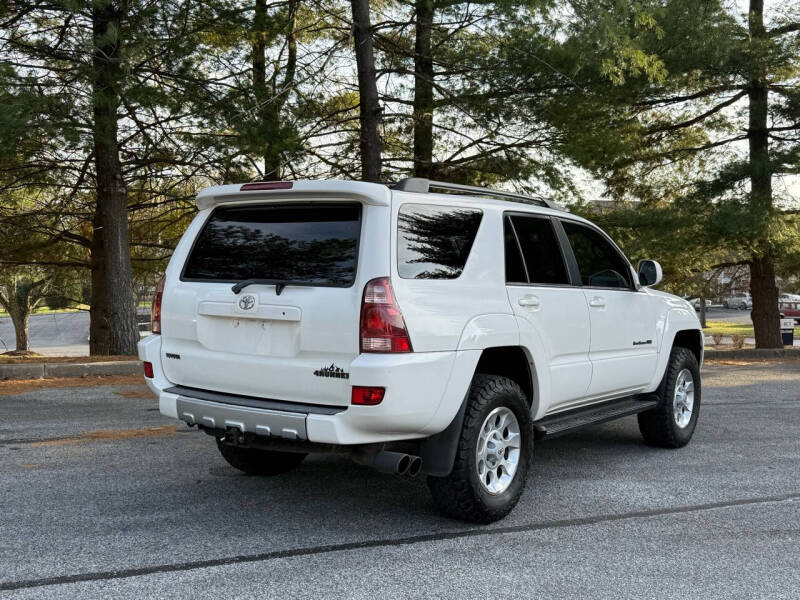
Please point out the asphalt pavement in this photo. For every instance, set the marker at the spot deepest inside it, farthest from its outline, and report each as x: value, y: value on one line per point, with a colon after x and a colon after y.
x: 717, y: 313
x: 66, y: 333
x: 55, y: 334
x: 138, y: 509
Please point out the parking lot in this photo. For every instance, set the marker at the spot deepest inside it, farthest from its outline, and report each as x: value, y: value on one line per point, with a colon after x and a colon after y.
x: 102, y: 497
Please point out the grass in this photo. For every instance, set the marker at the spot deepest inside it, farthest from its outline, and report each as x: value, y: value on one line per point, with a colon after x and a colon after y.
x: 6, y: 359
x: 729, y: 328
x: 80, y: 307
x: 48, y: 311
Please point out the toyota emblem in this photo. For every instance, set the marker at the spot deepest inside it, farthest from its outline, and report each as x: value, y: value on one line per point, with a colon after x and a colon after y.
x: 247, y: 302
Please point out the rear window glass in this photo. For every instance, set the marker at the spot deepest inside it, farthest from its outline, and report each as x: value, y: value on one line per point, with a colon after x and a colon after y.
x: 304, y: 244
x: 433, y: 242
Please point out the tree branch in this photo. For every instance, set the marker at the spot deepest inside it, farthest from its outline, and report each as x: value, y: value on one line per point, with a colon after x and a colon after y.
x: 783, y: 29
x: 698, y: 118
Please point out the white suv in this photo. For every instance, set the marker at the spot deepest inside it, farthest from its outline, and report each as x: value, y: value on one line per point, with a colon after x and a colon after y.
x: 414, y: 331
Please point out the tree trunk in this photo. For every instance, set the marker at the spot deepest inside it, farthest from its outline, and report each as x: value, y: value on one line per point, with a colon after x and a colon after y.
x: 113, y: 314
x: 20, y: 320
x: 369, y: 104
x: 266, y: 125
x: 763, y: 290
x: 423, y: 90
x: 19, y: 302
x: 766, y: 315
x: 702, y: 311
x: 270, y: 99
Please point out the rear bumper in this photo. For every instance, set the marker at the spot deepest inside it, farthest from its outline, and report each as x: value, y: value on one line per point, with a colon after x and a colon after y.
x: 269, y: 423
x: 423, y: 393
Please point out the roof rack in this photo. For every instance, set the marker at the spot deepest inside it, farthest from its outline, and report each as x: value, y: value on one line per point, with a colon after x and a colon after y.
x: 422, y: 185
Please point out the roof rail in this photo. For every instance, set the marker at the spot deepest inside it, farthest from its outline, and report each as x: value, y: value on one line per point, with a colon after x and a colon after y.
x: 422, y: 185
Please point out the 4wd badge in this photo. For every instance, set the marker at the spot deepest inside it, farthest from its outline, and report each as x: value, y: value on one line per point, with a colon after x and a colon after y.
x: 332, y: 371
x: 247, y: 302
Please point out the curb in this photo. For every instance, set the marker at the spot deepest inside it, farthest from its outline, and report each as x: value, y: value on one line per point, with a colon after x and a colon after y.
x: 752, y: 353
x: 49, y: 370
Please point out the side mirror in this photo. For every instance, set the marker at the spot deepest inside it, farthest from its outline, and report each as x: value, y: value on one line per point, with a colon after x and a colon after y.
x: 649, y: 272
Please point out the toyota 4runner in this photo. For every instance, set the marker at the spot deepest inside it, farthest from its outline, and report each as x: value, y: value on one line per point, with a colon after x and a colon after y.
x: 417, y: 332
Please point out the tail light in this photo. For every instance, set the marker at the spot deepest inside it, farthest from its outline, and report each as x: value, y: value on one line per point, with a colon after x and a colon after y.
x: 382, y: 326
x: 266, y: 185
x: 155, y: 309
x: 367, y: 396
x: 148, y: 369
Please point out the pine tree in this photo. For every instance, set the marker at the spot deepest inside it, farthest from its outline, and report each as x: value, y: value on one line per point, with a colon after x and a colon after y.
x: 678, y: 103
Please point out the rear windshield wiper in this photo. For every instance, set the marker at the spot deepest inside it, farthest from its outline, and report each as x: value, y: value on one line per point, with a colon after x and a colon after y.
x: 238, y: 287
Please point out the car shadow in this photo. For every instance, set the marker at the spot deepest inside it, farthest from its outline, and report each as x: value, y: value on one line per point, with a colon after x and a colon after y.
x: 332, y: 494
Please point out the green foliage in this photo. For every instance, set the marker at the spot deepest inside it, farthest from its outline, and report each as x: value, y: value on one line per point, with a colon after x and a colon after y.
x: 643, y: 104
x: 651, y: 98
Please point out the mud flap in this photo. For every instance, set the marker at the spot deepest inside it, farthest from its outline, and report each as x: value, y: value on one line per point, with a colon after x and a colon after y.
x: 438, y: 452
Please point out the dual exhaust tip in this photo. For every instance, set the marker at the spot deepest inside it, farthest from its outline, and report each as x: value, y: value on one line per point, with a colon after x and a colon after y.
x: 397, y: 463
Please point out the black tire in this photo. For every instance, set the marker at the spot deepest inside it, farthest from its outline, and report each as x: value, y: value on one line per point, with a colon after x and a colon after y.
x: 259, y: 462
x: 461, y: 494
x: 659, y: 426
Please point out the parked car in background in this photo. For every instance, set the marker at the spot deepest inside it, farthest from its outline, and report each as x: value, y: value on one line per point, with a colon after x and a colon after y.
x: 738, y: 301
x: 695, y: 302
x: 790, y: 310
x: 789, y: 297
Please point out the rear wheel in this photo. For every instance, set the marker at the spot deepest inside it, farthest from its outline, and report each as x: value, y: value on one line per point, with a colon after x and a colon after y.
x: 494, y: 454
x: 672, y: 423
x: 259, y: 462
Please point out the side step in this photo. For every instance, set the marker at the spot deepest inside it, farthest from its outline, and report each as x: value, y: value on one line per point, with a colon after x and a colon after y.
x: 560, y: 424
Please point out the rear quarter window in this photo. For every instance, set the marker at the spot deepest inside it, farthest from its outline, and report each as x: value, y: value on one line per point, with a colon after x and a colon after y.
x: 300, y: 244
x: 434, y: 242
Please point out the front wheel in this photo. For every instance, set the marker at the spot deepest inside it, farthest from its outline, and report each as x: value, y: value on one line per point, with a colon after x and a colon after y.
x: 493, y: 456
x: 259, y: 462
x: 671, y: 424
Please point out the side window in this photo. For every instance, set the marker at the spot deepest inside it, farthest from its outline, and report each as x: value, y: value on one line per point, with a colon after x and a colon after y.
x: 515, y: 268
x: 434, y: 242
x: 540, y: 250
x: 600, y: 264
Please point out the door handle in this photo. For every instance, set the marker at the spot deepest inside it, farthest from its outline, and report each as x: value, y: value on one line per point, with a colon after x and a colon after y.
x: 597, y: 301
x: 529, y: 300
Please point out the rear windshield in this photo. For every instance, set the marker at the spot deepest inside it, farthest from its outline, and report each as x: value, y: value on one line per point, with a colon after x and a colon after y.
x: 302, y: 244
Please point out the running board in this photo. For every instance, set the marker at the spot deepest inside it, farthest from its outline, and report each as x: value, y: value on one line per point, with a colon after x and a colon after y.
x: 566, y: 422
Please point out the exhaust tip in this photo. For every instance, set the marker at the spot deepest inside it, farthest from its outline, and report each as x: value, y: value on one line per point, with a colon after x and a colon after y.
x: 396, y: 463
x: 403, y: 464
x: 414, y: 467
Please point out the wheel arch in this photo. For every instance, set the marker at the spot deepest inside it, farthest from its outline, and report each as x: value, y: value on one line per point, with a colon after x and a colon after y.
x: 681, y: 328
x: 691, y: 339
x: 515, y: 363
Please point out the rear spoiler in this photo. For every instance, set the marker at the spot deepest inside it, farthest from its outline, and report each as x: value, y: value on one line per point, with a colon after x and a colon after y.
x: 371, y: 193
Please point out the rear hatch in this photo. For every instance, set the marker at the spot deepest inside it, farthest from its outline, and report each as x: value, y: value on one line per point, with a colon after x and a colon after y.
x: 292, y: 334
